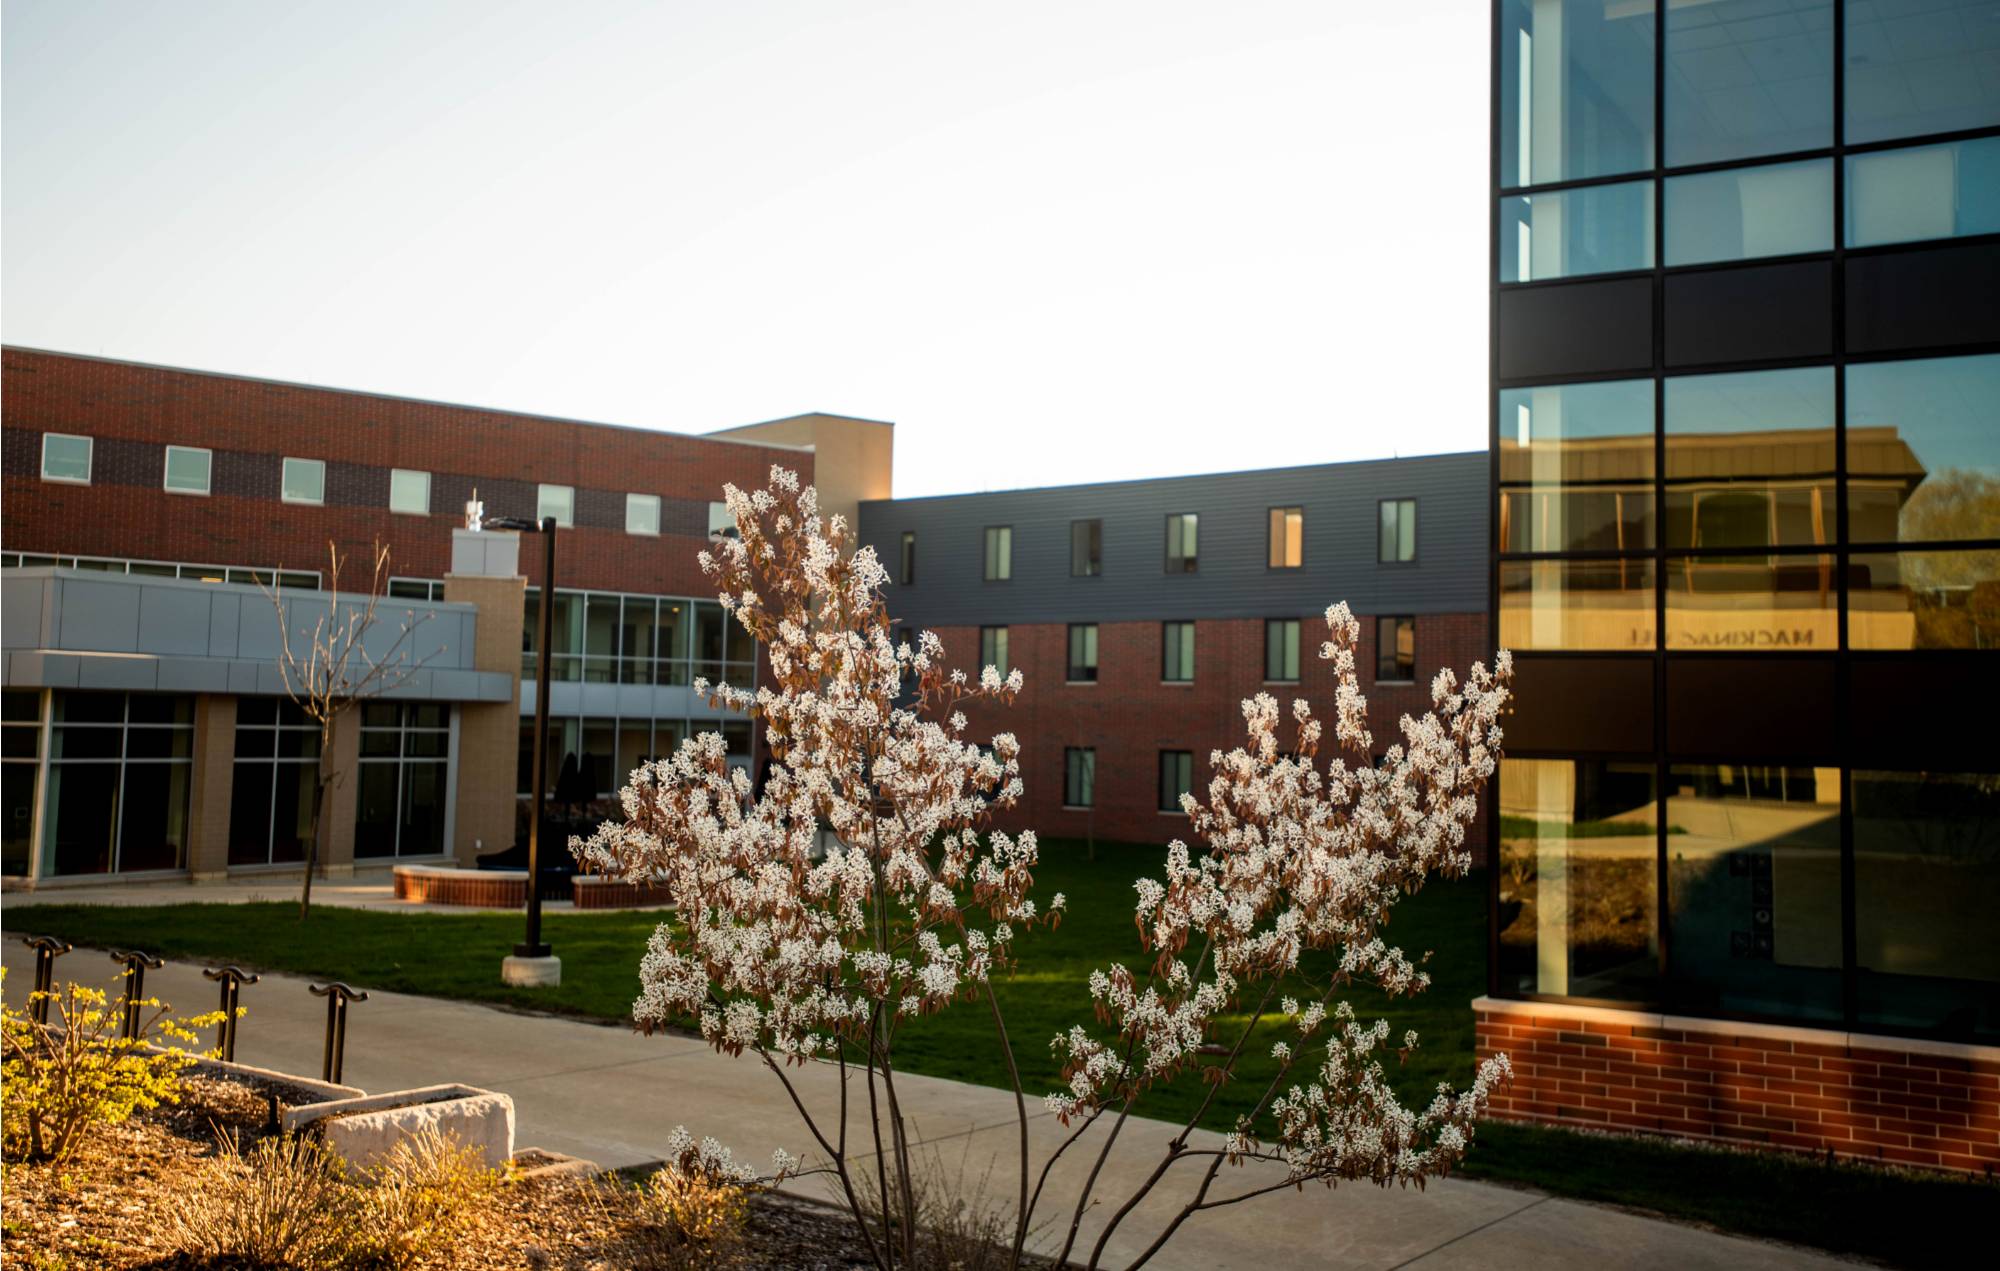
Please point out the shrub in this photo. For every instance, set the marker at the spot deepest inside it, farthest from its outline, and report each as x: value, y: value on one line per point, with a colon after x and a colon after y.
x: 423, y: 1196
x: 693, y: 1207
x: 284, y: 1203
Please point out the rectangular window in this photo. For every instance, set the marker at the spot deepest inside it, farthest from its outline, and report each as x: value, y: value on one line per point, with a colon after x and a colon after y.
x: 1181, y: 542
x: 1924, y: 600
x: 1926, y: 192
x: 1079, y: 777
x: 66, y: 458
x: 120, y: 770
x: 1576, y: 89
x: 1914, y: 69
x: 303, y: 481
x: 642, y: 514
x: 188, y: 470
x: 409, y: 492
x: 1780, y: 603
x: 1576, y: 467
x: 1600, y: 229
x: 1086, y: 549
x: 999, y: 553
x: 993, y: 649
x: 1577, y: 604
x: 276, y: 776
x: 400, y: 794
x: 906, y: 572
x: 1176, y: 778
x: 558, y: 501
x: 1082, y: 653
x: 1779, y: 209
x: 1177, y: 652
x: 1281, y: 650
x: 1395, y: 650
x: 1287, y: 538
x: 1923, y: 449
x: 1739, y: 85
x: 1750, y: 459
x: 20, y: 773
x: 721, y: 522
x: 1396, y: 531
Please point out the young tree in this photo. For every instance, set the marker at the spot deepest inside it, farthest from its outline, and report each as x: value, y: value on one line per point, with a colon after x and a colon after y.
x: 331, y: 667
x: 919, y: 903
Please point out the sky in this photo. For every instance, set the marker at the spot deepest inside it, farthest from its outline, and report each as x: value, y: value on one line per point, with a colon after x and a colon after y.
x: 1053, y: 242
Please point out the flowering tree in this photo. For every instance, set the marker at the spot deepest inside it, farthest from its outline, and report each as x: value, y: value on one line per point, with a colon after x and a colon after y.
x: 796, y: 955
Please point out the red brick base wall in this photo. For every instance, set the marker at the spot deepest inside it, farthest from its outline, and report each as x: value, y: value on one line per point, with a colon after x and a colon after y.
x: 596, y: 893
x: 482, y: 889
x: 1905, y: 1101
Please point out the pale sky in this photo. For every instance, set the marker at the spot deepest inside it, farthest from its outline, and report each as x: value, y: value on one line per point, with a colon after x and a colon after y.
x: 1054, y: 242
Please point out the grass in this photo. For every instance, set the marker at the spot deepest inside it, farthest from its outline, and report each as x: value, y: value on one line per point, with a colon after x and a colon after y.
x: 1909, y: 1219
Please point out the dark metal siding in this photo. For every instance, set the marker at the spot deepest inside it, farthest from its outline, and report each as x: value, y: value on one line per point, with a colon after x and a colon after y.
x: 1233, y: 582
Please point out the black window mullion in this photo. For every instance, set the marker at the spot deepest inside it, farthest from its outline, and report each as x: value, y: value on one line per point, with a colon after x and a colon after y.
x: 1842, y: 682
x: 1663, y: 911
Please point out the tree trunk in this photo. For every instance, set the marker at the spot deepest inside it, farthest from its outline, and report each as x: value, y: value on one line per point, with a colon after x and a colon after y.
x: 320, y: 788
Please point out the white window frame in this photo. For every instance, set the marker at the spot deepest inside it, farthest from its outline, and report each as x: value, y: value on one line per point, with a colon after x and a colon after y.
x: 285, y: 494
x: 567, y: 520
x: 208, y: 472
x: 633, y: 501
x: 89, y: 459
x: 425, y: 510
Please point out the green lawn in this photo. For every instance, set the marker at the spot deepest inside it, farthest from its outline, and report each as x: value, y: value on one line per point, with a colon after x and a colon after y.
x: 1907, y: 1219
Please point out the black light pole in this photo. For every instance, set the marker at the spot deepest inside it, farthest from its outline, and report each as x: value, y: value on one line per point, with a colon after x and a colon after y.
x: 533, y: 947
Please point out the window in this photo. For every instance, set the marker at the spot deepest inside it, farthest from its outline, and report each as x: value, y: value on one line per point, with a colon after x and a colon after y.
x: 416, y: 589
x: 642, y: 514
x: 187, y: 470
x: 722, y: 522
x: 1600, y: 229
x: 1181, y: 542
x: 1395, y: 650
x: 400, y: 800
x: 724, y: 652
x: 120, y: 768
x: 1920, y: 68
x: 303, y: 481
x: 276, y: 773
x: 1777, y: 603
x: 1577, y: 604
x: 1281, y: 650
x: 1740, y: 213
x: 1923, y: 600
x: 1750, y: 459
x: 1576, y: 89
x: 1923, y: 449
x: 1177, y: 652
x: 66, y: 458
x: 558, y: 501
x: 409, y: 492
x: 1907, y: 196
x: 1176, y: 778
x: 1287, y: 538
x: 20, y: 771
x: 1086, y: 549
x: 1576, y: 467
x: 1396, y: 531
x: 1082, y: 653
x: 1079, y: 777
x: 906, y: 572
x: 1740, y: 85
x: 999, y: 553
x: 993, y: 649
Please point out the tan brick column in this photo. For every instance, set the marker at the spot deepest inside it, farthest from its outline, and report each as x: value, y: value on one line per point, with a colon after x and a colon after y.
x: 214, y: 782
x: 489, y: 733
x: 337, y: 859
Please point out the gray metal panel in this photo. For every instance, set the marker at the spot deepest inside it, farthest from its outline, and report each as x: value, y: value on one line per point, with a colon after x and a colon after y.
x: 135, y: 675
x: 1340, y: 503
x: 193, y: 675
x: 98, y: 617
x: 225, y: 615
x: 24, y: 602
x: 244, y: 678
x: 174, y: 621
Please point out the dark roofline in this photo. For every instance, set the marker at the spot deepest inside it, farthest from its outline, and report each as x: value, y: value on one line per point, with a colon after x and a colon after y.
x: 1187, y: 476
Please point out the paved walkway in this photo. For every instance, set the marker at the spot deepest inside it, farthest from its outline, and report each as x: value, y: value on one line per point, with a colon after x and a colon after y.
x: 366, y: 889
x: 612, y: 1096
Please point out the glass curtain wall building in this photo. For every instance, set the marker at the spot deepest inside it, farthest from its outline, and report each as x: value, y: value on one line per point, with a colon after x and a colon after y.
x: 1746, y: 509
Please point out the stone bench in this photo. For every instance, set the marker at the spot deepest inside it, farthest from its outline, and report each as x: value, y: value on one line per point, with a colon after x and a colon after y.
x: 454, y: 885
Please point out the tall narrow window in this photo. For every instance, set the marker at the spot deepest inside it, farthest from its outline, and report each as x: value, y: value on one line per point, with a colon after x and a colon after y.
x: 642, y: 514
x: 999, y: 553
x: 400, y: 799
x: 1281, y: 649
x: 993, y: 648
x: 1177, y: 652
x: 1396, y: 535
x: 1395, y: 650
x: 1086, y: 549
x: 907, y: 572
x: 188, y: 470
x: 409, y: 492
x: 1181, y: 532
x: 558, y: 501
x: 1176, y: 778
x: 1082, y: 653
x: 1288, y: 538
x: 271, y: 792
x: 1079, y: 777
x: 304, y: 481
x: 66, y: 458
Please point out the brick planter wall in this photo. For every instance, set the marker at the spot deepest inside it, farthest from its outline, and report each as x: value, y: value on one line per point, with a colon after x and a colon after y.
x: 478, y: 888
x: 1899, y: 1100
x: 601, y: 893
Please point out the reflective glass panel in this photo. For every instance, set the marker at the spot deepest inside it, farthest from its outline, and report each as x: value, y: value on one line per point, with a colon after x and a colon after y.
x: 1578, y: 846
x: 1776, y: 603
x: 154, y: 816
x: 1600, y: 229
x: 1576, y: 604
x: 642, y: 514
x: 1923, y: 449
x: 558, y: 501
x: 1906, y: 196
x: 1747, y: 78
x: 1576, y: 467
x: 1750, y: 459
x: 409, y: 491
x: 1924, y: 600
x: 1753, y: 889
x: 1920, y: 66
x: 1926, y: 887
x: 17, y: 817
x: 1778, y: 209
x: 187, y: 469
x: 304, y: 481
x: 1576, y: 89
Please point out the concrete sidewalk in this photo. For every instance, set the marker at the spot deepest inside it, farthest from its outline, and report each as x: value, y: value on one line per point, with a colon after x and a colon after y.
x: 612, y: 1096
x: 370, y: 888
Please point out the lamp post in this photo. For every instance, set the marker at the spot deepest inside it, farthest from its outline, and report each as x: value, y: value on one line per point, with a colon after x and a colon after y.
x: 533, y: 962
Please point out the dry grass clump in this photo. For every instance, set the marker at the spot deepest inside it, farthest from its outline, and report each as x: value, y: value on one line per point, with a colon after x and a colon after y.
x: 424, y: 1196
x: 961, y: 1224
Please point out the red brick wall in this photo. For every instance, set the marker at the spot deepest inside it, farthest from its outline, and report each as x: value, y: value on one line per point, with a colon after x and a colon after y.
x: 1861, y: 1096
x: 1129, y: 716
x: 132, y: 411
x: 482, y: 889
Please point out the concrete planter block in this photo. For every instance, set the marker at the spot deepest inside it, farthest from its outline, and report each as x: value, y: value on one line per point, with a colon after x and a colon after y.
x: 364, y: 1131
